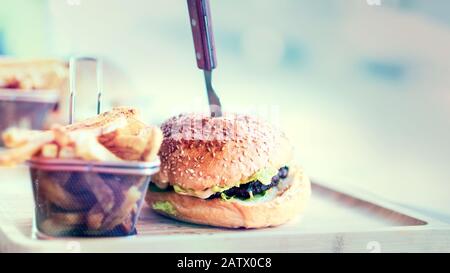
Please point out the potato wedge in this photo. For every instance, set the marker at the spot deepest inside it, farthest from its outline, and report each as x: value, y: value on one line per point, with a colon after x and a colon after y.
x: 95, y: 217
x: 153, y: 145
x: 121, y: 212
x: 68, y: 218
x: 49, y: 151
x: 129, y: 142
x: 54, y: 228
x: 67, y: 152
x: 56, y: 194
x: 26, y: 151
x: 102, y: 192
x: 15, y: 137
x: 87, y: 147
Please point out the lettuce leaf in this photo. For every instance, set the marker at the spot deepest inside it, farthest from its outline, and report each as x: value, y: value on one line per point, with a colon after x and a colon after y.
x: 164, y: 206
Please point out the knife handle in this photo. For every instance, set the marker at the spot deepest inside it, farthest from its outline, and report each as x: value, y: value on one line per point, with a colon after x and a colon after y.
x: 200, y: 15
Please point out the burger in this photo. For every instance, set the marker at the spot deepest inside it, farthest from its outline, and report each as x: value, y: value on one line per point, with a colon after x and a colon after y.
x: 234, y: 171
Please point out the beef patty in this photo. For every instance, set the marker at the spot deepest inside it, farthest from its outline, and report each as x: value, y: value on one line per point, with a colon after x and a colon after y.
x: 252, y: 188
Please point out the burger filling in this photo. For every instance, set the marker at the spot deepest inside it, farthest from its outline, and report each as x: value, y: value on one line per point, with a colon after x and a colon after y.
x: 253, y: 188
x: 260, y: 183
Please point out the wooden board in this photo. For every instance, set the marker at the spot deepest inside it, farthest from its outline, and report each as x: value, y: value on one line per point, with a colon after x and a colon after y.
x: 337, y: 220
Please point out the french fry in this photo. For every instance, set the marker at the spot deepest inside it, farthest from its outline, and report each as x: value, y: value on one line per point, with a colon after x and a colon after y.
x: 67, y: 152
x: 129, y: 142
x: 49, y: 151
x: 108, y: 139
x: 95, y: 217
x: 26, y: 151
x: 15, y: 137
x: 70, y: 201
x: 112, y: 136
x: 62, y: 178
x: 62, y: 137
x: 54, y: 228
x: 87, y: 147
x: 127, y: 224
x: 121, y: 212
x: 127, y: 147
x: 102, y: 192
x: 134, y: 128
x: 134, y: 210
x: 79, y: 187
x: 57, y: 195
x: 106, y: 122
x: 68, y: 218
x: 153, y: 144
x: 136, y: 181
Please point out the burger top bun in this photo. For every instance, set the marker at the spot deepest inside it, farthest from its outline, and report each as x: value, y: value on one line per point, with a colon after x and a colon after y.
x: 199, y: 152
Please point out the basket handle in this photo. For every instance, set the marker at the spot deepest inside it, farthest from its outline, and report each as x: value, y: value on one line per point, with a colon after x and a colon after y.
x: 72, y: 83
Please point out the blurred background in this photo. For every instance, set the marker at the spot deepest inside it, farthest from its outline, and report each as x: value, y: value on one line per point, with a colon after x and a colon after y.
x: 360, y: 86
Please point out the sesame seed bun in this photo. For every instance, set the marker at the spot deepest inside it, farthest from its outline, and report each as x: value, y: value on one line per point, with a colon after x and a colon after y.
x: 199, y: 152
x: 278, y: 206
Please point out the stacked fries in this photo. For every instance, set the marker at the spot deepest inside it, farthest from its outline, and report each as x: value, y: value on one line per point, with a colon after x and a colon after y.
x: 87, y: 203
x: 117, y: 135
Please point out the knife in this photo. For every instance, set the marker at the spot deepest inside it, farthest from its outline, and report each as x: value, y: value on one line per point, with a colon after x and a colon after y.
x: 205, y: 52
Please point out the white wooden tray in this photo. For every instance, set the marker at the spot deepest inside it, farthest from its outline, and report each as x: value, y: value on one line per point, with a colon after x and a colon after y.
x: 337, y: 220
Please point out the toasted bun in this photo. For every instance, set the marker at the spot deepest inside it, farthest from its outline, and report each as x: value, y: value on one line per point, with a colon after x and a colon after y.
x: 277, y: 207
x: 199, y: 152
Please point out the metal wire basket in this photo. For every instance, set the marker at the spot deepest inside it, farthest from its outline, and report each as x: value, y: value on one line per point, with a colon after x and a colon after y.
x: 84, y: 198
x: 80, y: 198
x: 25, y: 109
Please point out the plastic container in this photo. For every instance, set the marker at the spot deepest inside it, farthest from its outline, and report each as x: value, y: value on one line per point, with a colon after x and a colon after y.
x: 75, y: 198
x: 25, y: 109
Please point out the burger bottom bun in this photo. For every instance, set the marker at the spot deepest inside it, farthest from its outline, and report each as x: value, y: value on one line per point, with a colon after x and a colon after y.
x: 278, y: 206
